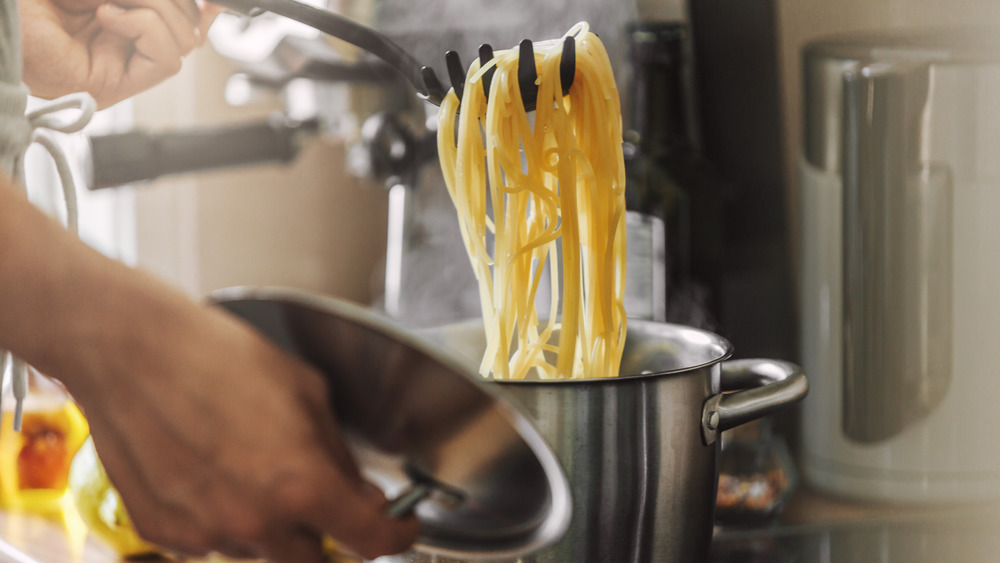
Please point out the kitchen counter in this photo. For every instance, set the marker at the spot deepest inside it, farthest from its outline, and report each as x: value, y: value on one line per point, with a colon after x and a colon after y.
x: 812, y: 528
x: 60, y: 538
x: 821, y: 529
x: 26, y: 538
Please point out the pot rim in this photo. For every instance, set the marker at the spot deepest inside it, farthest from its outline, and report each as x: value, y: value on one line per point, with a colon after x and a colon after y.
x: 710, y: 339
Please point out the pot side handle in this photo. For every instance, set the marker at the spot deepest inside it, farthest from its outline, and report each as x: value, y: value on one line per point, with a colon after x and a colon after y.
x: 751, y: 389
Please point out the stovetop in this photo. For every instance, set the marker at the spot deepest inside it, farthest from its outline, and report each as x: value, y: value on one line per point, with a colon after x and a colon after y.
x: 818, y: 529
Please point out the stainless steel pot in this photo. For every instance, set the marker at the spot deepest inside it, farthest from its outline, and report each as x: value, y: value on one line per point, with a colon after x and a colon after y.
x: 640, y: 450
x: 637, y: 454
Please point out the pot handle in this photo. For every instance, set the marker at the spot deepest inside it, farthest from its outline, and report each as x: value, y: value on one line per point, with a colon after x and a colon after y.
x: 758, y: 387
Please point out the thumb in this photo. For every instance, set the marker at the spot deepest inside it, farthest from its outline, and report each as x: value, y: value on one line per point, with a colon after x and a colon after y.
x: 209, y: 12
x: 356, y: 516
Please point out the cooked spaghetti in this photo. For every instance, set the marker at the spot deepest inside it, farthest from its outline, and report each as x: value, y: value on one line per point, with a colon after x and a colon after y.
x: 551, y: 192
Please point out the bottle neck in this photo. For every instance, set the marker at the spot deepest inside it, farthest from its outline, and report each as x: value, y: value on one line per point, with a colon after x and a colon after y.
x: 660, y: 106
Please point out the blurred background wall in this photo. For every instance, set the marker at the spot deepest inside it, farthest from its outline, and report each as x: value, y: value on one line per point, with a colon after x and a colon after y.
x: 313, y: 225
x: 309, y: 224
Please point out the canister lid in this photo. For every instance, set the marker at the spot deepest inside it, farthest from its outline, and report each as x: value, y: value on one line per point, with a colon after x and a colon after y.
x: 827, y: 61
x: 422, y: 426
x: 929, y: 45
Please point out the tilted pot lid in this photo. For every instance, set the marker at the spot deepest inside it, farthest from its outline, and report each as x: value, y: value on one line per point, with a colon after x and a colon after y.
x: 422, y: 425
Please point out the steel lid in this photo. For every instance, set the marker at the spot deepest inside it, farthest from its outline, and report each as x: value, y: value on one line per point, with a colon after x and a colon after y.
x: 828, y: 60
x: 418, y: 420
x: 954, y: 45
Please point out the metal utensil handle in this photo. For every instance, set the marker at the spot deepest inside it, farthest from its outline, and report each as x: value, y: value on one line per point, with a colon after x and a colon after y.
x: 340, y: 27
x: 404, y: 504
x: 137, y: 155
x: 758, y: 387
x: 423, y: 486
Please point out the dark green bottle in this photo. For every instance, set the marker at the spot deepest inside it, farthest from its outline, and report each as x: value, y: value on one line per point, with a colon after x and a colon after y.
x: 668, y: 181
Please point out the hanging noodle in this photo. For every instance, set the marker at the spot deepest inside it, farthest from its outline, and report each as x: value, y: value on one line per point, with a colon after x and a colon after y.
x: 538, y: 188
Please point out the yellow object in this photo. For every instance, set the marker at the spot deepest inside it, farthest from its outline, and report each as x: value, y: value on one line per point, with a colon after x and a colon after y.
x: 35, y: 462
x: 100, y: 506
x: 561, y: 178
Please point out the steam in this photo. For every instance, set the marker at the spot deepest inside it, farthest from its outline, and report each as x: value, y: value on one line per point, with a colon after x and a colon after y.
x: 438, y: 284
x: 429, y: 28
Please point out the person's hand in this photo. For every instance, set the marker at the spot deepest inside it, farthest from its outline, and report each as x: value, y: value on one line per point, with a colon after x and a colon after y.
x: 220, y: 442
x: 111, y: 50
x: 216, y: 439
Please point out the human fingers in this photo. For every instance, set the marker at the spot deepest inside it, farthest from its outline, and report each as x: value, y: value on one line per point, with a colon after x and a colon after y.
x: 181, y: 17
x: 353, y: 513
x: 325, y: 490
x: 167, y: 526
x: 315, y: 399
x: 281, y: 543
x: 209, y: 12
x: 191, y: 9
x: 234, y: 550
x: 296, y: 545
x: 157, y: 56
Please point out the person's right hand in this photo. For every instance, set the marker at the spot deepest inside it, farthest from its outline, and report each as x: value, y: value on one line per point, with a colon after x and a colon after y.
x: 110, y: 49
x: 218, y: 441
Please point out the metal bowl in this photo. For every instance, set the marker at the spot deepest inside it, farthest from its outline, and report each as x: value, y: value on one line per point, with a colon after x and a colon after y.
x: 423, y: 426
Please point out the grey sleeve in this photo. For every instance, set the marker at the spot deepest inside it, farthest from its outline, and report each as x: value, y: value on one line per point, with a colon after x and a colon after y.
x: 13, y: 96
x: 10, y: 42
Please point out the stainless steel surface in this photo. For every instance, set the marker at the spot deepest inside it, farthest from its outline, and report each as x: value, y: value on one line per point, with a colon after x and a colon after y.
x: 399, y: 227
x: 643, y: 479
x: 753, y: 388
x: 899, y: 184
x: 868, y: 121
x: 413, y: 416
x: 396, y: 155
x: 824, y: 108
x: 405, y: 502
x: 897, y: 254
x: 826, y: 61
x: 842, y: 532
x: 481, y: 478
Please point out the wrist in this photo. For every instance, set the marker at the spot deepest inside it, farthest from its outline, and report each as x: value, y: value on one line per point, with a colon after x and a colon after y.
x: 71, y: 312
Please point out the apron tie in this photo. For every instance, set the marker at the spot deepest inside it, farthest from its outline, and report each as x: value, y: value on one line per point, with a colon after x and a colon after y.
x: 18, y: 130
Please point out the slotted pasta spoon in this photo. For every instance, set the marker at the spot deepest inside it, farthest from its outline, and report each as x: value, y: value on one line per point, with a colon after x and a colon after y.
x: 422, y: 77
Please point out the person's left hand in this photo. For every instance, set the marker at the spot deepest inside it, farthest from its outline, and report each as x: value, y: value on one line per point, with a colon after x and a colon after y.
x: 112, y: 50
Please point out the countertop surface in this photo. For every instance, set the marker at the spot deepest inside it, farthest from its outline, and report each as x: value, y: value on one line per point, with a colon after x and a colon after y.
x: 817, y: 528
x: 812, y: 528
x: 26, y: 538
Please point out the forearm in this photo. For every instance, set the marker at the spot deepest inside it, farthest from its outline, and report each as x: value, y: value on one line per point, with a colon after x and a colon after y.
x: 65, y: 308
x: 216, y: 439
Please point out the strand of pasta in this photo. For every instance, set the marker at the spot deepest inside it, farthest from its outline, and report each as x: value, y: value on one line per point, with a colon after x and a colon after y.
x: 555, y: 190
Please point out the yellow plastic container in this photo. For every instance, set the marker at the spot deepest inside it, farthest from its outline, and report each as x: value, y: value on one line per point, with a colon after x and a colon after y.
x: 34, y: 463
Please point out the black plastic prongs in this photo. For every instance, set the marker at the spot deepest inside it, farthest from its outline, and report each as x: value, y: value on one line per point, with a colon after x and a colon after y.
x: 567, y: 64
x: 485, y: 56
x: 435, y: 90
x: 456, y: 72
x: 527, y: 74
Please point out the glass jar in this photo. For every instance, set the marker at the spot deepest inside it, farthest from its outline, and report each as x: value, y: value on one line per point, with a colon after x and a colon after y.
x: 34, y: 463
